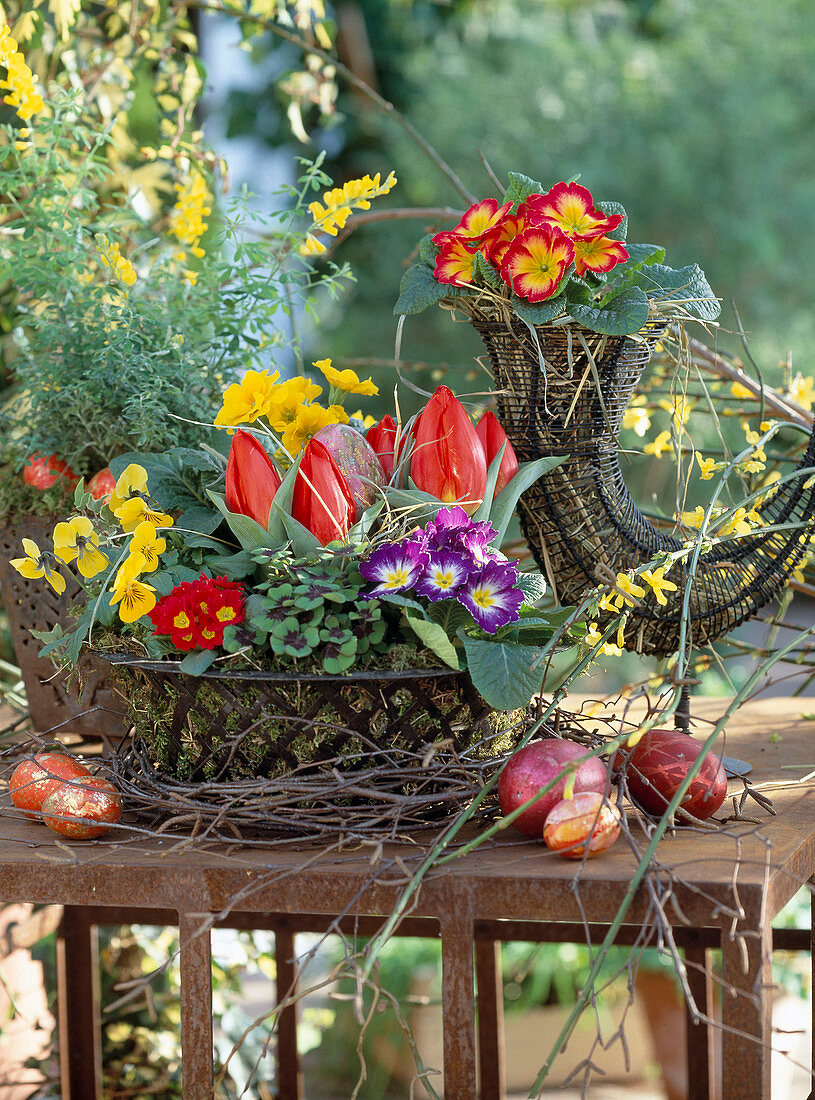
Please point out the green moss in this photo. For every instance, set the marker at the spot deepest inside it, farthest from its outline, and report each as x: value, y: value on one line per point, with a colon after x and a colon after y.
x: 299, y: 724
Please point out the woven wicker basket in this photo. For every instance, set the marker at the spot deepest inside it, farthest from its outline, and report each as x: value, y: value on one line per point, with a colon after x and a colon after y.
x: 33, y: 605
x: 225, y: 726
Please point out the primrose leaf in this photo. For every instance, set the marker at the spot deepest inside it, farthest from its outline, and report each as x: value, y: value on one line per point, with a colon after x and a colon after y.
x: 434, y: 636
x: 419, y: 289
x: 503, y: 673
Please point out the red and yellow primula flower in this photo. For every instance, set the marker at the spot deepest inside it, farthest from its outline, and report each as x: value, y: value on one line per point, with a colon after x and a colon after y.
x: 454, y: 263
x: 571, y: 208
x: 535, y: 262
x: 479, y: 219
x: 597, y: 254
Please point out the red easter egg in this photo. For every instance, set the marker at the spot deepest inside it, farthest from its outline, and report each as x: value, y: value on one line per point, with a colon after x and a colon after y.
x: 101, y: 485
x: 535, y: 765
x: 584, y: 825
x: 34, y: 779
x: 42, y: 472
x: 93, y: 800
x: 657, y: 765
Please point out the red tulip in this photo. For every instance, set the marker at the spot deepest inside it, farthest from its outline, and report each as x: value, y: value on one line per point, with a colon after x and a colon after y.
x: 322, y: 501
x: 251, y: 479
x: 492, y: 437
x: 41, y: 472
x: 448, y: 457
x: 382, y: 438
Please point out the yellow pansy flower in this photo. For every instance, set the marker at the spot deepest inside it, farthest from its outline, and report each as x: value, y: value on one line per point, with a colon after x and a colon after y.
x: 138, y: 510
x: 132, y: 480
x: 245, y: 401
x: 134, y: 597
x: 36, y: 565
x: 658, y: 446
x: 309, y: 420
x: 346, y: 380
x: 144, y: 542
x: 76, y: 540
x: 655, y: 579
x: 367, y: 421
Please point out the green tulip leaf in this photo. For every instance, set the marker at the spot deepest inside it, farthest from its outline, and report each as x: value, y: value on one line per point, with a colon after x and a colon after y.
x: 483, y: 511
x: 434, y: 636
x: 366, y: 521
x: 503, y: 673
x: 504, y: 504
x: 247, y: 531
x: 302, y: 540
x: 283, y: 498
x: 419, y: 507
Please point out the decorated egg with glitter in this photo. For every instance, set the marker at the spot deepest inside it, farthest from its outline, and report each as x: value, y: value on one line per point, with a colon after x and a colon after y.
x: 357, y: 461
x: 84, y: 809
x: 657, y: 765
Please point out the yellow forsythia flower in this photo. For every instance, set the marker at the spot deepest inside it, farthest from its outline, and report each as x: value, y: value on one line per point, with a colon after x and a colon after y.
x: 658, y: 446
x: 802, y: 390
x: 706, y: 467
x: 655, y: 579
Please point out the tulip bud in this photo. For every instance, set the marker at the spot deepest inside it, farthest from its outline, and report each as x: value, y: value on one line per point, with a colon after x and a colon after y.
x: 322, y: 501
x: 382, y: 438
x: 448, y: 457
x: 251, y: 479
x: 492, y: 437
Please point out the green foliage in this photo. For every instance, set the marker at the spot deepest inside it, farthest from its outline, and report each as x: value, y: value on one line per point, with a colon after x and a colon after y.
x: 310, y: 614
x: 124, y: 339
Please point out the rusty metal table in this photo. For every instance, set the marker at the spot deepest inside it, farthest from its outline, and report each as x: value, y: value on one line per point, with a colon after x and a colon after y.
x: 730, y: 888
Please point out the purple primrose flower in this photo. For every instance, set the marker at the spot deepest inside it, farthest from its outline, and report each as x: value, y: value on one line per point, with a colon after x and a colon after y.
x: 491, y: 597
x: 394, y: 567
x: 444, y: 575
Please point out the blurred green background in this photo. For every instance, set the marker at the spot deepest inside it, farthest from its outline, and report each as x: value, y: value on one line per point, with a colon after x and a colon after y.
x: 696, y: 116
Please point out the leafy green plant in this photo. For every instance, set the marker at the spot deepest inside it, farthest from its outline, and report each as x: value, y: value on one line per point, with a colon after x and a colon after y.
x: 124, y: 335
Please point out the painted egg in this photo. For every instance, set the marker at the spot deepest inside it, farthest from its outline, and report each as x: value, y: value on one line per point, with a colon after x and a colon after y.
x: 536, y: 765
x: 582, y: 826
x: 35, y: 779
x: 93, y: 801
x: 356, y: 459
x: 657, y: 765
x: 101, y: 485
